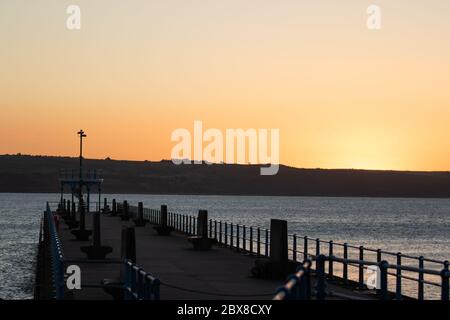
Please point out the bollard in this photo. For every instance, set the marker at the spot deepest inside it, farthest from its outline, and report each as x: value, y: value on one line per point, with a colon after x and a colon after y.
x: 114, y: 208
x: 445, y: 275
x: 82, y: 234
x: 96, y: 251
x: 140, y: 221
x: 163, y: 229
x: 201, y: 241
x: 126, y: 211
x: 128, y: 244
x: 320, y: 284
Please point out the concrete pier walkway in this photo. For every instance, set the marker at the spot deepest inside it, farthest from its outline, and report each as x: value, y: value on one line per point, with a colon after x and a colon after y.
x: 221, y: 273
x: 183, y: 272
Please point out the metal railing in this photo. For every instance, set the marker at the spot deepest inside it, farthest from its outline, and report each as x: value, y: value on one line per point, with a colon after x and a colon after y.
x: 251, y: 240
x: 298, y: 285
x: 56, y: 254
x: 87, y: 174
x: 313, y: 247
x: 256, y: 241
x: 140, y: 285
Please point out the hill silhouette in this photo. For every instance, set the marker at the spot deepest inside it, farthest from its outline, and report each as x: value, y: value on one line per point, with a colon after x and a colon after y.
x: 19, y: 173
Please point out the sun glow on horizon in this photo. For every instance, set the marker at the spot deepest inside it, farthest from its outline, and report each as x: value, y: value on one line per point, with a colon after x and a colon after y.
x: 342, y: 96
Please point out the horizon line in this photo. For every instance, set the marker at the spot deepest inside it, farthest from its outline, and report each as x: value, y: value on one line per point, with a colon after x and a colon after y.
x: 205, y: 163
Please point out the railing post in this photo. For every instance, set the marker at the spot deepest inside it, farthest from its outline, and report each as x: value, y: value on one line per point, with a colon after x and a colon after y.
x: 231, y: 235
x: 244, y: 242
x: 445, y: 275
x: 317, y: 247
x: 294, y: 247
x: 383, y: 266
x: 267, y: 243
x: 220, y: 231
x: 345, y: 264
x: 237, y: 237
x: 330, y: 262
x: 361, y: 267
x: 305, y: 247
x: 420, y: 280
x: 251, y: 240
x: 320, y: 269
x: 226, y: 234
x: 398, y: 278
x: 210, y: 228
x: 258, y: 241
x: 215, y: 229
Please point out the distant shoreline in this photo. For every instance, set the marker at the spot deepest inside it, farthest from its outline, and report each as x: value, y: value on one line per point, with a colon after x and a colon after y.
x: 40, y: 174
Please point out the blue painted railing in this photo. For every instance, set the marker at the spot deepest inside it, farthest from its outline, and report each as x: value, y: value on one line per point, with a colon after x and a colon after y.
x: 57, y: 256
x: 298, y: 285
x: 140, y: 285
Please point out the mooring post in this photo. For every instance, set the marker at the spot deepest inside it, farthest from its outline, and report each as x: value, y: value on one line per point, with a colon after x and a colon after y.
x: 164, y: 215
x: 105, y: 205
x: 128, y: 244
x: 320, y: 285
x: 140, y: 221
x: 278, y: 241
x: 125, y: 213
x: 163, y: 228
x: 202, y: 241
x: 82, y: 234
x: 114, y: 207
x: 96, y: 226
x: 202, y: 223
x: 445, y: 275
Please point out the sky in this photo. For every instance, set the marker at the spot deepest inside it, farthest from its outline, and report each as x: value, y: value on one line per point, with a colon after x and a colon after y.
x: 341, y: 95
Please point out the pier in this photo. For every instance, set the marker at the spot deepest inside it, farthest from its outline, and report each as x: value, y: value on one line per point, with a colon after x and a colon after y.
x: 226, y: 270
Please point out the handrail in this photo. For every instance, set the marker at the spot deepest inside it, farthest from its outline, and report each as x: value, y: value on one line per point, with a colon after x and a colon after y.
x: 140, y: 285
x: 57, y: 256
x: 298, y: 285
x: 383, y: 267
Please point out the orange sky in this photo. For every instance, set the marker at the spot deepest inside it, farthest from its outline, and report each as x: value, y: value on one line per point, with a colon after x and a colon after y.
x: 341, y: 95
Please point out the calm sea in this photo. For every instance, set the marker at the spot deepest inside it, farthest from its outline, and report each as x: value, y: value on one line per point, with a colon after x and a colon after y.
x: 411, y: 226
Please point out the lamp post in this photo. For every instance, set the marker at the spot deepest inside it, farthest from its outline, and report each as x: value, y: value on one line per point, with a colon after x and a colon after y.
x: 80, y: 189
